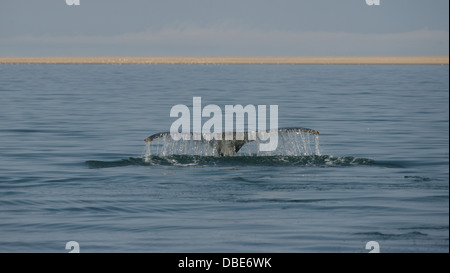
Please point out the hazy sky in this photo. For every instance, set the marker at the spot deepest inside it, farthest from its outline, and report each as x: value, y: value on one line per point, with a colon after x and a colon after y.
x: 224, y: 28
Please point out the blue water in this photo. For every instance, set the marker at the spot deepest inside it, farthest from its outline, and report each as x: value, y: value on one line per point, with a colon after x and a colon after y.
x: 71, y: 165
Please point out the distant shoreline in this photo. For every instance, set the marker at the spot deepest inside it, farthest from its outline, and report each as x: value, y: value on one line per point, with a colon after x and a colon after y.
x: 418, y: 60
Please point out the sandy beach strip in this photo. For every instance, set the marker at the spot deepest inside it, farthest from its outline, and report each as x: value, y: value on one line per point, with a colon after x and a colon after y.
x: 418, y: 60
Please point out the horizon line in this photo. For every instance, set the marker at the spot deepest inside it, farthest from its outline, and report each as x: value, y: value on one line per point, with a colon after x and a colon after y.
x: 361, y: 60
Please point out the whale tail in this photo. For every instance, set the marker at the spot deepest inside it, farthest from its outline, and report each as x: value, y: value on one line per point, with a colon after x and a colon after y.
x: 224, y: 144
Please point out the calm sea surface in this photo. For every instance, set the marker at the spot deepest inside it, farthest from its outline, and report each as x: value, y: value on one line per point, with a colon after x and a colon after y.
x: 71, y: 166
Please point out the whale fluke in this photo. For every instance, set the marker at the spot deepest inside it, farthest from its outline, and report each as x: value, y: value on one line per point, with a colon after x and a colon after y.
x: 230, y: 147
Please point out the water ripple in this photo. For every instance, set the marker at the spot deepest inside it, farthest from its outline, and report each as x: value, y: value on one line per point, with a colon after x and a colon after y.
x: 277, y: 161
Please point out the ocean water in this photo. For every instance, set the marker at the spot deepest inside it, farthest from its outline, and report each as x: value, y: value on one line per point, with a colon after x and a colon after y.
x: 72, y: 164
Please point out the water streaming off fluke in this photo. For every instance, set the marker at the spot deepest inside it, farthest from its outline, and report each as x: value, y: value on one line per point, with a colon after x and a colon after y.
x: 291, y: 142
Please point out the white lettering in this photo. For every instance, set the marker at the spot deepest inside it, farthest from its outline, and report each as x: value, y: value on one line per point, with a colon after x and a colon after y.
x: 373, y: 2
x: 73, y: 2
x: 184, y: 122
x: 213, y: 129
